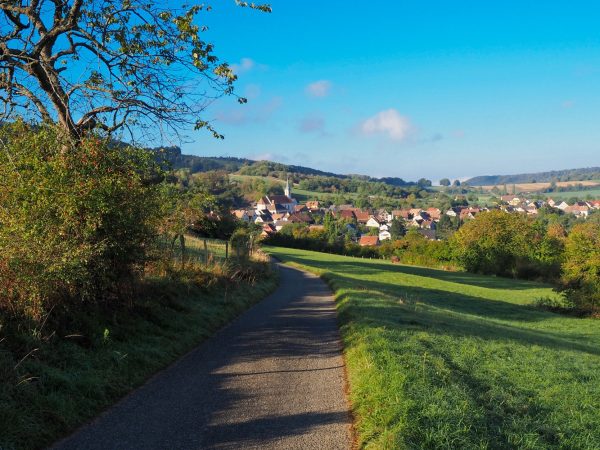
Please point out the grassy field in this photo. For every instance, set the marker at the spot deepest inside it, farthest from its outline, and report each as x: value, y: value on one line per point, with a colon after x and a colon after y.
x: 581, y: 195
x: 52, y: 382
x: 458, y: 361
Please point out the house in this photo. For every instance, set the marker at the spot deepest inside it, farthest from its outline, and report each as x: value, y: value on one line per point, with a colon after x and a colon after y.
x: 531, y: 209
x: 263, y: 216
x: 313, y: 205
x: 562, y: 205
x: 362, y: 216
x: 383, y: 215
x: 279, y: 224
x: 280, y: 216
x: 580, y: 209
x: 434, y: 213
x: 373, y: 223
x: 512, y: 200
x: 368, y: 241
x: 347, y: 214
x: 384, y: 227
x: 300, y: 218
x: 267, y: 230
x: 316, y: 228
x: 594, y: 204
x: 384, y: 235
x: 403, y: 214
x: 241, y: 214
x: 300, y: 208
x: 454, y: 212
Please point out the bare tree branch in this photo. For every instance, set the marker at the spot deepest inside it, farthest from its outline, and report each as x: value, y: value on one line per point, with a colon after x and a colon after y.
x: 109, y: 64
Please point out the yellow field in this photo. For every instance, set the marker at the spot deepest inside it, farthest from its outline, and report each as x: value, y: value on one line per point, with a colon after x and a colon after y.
x: 533, y: 187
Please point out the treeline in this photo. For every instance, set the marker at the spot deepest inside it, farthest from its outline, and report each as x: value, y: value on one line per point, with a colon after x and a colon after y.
x: 494, y: 243
x: 176, y: 160
x: 583, y: 174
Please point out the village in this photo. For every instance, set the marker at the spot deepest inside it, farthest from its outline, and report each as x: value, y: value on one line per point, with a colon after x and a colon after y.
x: 273, y: 212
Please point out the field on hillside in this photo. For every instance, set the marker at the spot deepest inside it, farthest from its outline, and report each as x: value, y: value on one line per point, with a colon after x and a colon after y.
x: 537, y: 187
x: 454, y: 360
x: 582, y: 195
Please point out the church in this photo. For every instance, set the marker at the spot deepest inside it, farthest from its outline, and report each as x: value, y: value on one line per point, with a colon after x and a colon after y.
x: 276, y: 204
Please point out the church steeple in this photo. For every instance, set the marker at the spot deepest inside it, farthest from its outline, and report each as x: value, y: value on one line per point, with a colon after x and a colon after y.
x: 287, y: 190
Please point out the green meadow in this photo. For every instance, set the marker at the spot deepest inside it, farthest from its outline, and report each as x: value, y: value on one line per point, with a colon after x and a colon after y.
x: 453, y: 360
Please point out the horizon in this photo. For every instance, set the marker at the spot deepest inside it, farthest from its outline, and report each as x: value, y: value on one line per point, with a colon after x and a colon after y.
x: 409, y: 91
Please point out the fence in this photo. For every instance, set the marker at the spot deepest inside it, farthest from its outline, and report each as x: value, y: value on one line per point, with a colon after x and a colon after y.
x: 206, y: 250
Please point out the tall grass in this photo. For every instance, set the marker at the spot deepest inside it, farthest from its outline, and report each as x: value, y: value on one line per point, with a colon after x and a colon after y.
x: 62, y: 372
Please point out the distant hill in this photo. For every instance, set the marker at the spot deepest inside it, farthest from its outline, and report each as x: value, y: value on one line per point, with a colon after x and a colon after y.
x: 588, y: 173
x: 244, y: 166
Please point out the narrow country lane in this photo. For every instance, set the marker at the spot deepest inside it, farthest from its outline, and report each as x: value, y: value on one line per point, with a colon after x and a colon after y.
x: 272, y: 379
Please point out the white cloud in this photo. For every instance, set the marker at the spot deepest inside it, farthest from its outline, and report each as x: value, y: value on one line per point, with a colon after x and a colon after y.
x: 319, y: 88
x: 389, y: 122
x: 245, y: 65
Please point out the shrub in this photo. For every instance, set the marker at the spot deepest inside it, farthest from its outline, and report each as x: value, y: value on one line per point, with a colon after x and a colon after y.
x: 581, y: 268
x: 494, y: 243
x: 76, y: 222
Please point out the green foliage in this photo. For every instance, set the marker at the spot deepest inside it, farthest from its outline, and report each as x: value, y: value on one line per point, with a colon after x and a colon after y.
x: 445, y: 182
x: 397, y: 229
x: 493, y: 243
x: 76, y: 224
x: 581, y: 269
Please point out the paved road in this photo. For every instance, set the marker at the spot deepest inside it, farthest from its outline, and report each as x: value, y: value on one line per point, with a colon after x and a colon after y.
x: 273, y: 379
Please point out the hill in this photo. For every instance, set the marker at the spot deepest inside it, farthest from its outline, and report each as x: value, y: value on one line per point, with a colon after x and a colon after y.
x: 244, y: 166
x: 588, y: 173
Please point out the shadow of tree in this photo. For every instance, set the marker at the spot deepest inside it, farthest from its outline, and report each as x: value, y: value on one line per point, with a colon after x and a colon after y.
x: 359, y: 267
x: 442, y: 312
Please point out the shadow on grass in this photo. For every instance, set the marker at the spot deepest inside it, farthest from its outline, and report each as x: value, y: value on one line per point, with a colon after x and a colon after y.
x: 356, y: 266
x: 446, y: 313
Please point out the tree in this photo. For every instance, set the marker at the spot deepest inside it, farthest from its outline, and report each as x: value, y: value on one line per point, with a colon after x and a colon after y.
x: 397, y: 229
x: 456, y: 183
x: 445, y: 182
x: 581, y: 267
x: 424, y: 182
x: 494, y: 243
x: 109, y: 64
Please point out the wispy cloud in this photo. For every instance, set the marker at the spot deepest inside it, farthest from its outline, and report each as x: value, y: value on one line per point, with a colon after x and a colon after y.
x: 245, y: 65
x: 319, y: 88
x: 250, y: 113
x: 388, y: 122
x: 312, y: 124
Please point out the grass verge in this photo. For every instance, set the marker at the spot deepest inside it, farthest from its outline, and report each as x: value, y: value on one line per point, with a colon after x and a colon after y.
x: 52, y: 382
x: 453, y: 360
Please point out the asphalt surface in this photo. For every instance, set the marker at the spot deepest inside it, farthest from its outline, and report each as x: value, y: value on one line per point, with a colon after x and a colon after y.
x: 272, y: 379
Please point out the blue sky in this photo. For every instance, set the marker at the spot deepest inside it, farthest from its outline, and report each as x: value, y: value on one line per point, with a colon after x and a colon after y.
x: 410, y: 89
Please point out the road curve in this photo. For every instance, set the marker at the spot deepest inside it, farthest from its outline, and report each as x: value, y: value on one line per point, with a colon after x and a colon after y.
x: 272, y: 379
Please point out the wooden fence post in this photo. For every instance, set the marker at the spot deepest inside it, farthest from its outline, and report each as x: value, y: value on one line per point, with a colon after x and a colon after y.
x: 226, y: 249
x: 205, y: 252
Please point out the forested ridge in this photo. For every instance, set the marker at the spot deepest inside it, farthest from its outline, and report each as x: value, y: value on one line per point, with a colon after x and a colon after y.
x: 587, y: 173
